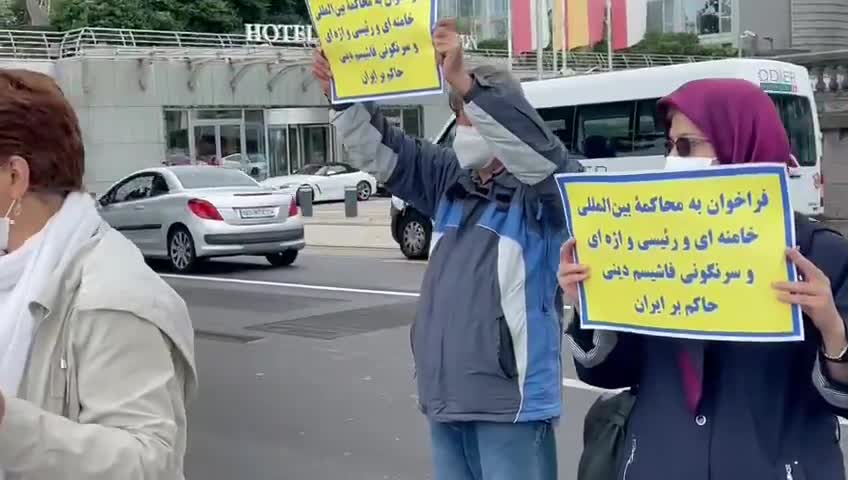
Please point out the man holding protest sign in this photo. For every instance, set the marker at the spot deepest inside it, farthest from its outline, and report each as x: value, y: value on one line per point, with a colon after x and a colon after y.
x: 487, y: 336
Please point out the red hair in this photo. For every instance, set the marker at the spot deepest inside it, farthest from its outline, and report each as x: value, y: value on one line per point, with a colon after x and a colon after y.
x: 38, y: 124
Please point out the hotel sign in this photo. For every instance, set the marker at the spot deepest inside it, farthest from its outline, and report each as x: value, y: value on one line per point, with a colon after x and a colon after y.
x: 303, y: 34
x: 270, y: 33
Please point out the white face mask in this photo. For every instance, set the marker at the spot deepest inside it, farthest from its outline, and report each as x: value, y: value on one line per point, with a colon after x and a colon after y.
x: 5, y: 228
x: 673, y: 162
x: 471, y: 148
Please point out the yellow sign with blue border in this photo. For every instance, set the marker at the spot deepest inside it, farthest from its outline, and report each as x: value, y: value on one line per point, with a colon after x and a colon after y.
x: 378, y: 49
x: 688, y: 254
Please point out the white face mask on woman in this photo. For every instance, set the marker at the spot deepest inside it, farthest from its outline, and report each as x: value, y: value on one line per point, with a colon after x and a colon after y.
x: 5, y: 228
x: 673, y: 162
x: 471, y: 148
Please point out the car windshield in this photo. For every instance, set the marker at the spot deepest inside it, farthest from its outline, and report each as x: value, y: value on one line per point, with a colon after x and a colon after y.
x: 212, y: 177
x: 312, y: 169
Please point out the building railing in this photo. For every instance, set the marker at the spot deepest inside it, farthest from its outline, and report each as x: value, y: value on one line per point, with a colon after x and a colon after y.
x: 581, y: 62
x: 124, y: 43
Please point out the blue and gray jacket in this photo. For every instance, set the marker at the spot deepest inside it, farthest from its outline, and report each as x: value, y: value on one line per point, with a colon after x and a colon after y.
x: 487, y: 336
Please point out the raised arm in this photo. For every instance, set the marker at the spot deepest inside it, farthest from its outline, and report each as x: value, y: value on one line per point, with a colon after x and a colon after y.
x: 495, y: 104
x: 516, y: 133
x: 413, y: 169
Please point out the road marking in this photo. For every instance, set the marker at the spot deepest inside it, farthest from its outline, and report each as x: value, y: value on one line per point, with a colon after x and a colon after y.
x: 574, y: 383
x: 566, y: 382
x: 302, y: 286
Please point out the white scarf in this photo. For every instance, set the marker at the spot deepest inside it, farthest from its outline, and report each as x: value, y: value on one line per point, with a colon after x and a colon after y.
x: 45, y: 254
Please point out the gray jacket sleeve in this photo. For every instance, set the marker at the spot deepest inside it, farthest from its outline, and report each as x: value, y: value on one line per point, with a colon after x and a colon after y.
x: 413, y: 169
x: 603, y: 358
x: 518, y: 136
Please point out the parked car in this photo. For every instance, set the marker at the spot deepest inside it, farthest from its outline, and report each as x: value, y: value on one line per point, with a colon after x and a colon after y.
x: 255, y: 165
x: 328, y: 181
x: 189, y: 213
x: 411, y: 229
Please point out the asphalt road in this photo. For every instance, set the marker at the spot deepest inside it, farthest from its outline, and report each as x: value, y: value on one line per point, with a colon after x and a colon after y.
x: 306, y: 371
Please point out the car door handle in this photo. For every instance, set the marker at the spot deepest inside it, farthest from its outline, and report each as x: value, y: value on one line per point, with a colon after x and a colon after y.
x: 139, y: 207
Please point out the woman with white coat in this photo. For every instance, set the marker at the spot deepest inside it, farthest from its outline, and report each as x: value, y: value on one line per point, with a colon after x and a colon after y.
x: 96, y: 351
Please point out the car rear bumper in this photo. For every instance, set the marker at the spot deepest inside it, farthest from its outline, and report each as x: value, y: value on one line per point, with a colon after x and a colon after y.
x: 251, y: 240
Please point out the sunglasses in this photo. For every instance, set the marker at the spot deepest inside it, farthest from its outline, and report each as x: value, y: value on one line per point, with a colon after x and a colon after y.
x: 683, y: 145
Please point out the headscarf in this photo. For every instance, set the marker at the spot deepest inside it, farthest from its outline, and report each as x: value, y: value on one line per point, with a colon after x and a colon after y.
x: 737, y: 117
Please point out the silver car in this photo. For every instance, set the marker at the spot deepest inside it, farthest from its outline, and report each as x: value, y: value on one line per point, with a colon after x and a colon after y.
x: 187, y: 213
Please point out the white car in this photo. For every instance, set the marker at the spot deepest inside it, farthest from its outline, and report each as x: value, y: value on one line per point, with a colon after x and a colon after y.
x: 187, y: 213
x: 328, y: 181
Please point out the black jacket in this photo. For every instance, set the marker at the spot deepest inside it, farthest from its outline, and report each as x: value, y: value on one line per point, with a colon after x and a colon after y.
x: 768, y: 410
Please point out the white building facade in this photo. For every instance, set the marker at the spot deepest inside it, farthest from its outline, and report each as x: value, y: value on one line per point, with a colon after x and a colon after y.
x: 150, y: 98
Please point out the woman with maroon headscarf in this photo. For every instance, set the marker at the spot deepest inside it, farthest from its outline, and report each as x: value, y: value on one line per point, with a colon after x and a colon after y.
x: 731, y: 410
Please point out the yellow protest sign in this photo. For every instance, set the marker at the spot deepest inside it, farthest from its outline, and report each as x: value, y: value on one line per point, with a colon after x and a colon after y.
x: 378, y: 49
x: 690, y: 254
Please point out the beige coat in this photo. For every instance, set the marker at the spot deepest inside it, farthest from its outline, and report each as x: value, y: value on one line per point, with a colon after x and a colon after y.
x: 111, y: 366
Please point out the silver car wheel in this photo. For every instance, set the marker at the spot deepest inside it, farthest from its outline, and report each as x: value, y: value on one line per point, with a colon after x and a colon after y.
x: 414, y: 237
x: 181, y: 250
x: 363, y: 191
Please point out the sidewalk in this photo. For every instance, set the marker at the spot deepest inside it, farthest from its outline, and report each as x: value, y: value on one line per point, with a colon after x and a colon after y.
x: 371, y: 228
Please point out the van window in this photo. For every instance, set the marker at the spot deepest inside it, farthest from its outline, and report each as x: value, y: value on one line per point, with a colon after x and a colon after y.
x: 561, y: 121
x: 605, y: 130
x: 650, y: 129
x: 797, y: 117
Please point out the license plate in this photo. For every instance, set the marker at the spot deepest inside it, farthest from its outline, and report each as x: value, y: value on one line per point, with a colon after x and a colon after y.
x: 257, y: 212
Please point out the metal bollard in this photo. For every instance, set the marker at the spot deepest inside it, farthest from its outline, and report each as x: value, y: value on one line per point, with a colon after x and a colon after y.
x: 304, y: 200
x: 350, y: 201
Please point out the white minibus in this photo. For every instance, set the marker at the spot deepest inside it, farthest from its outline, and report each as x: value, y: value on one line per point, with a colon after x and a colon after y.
x: 609, y: 121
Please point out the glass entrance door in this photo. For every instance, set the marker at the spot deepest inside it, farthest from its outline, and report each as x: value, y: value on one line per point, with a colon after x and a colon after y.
x: 293, y: 146
x: 316, y: 143
x: 217, y: 144
x: 279, y: 150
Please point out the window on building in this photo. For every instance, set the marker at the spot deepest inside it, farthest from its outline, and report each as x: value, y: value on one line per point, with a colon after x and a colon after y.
x: 254, y: 145
x: 656, y: 18
x: 229, y: 114
x: 177, y: 151
x: 605, y: 130
x: 707, y: 17
x: 408, y: 118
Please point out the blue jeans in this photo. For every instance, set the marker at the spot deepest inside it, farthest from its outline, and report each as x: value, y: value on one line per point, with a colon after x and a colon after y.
x: 493, y: 451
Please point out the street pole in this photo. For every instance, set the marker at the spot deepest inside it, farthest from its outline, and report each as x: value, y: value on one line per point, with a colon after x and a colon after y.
x: 564, y: 35
x: 540, y: 49
x: 508, y: 33
x: 609, y: 34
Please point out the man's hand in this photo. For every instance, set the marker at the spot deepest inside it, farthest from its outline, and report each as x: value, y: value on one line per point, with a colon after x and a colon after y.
x: 571, y: 274
x: 321, y: 70
x: 448, y: 47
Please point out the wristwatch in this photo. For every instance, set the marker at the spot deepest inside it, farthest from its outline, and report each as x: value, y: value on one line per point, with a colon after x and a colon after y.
x: 841, y: 357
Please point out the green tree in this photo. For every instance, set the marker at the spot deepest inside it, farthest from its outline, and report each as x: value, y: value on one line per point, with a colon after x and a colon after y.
x: 72, y: 14
x: 287, y: 12
x: 251, y: 11
x: 679, y: 44
x: 12, y: 13
x: 216, y: 16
